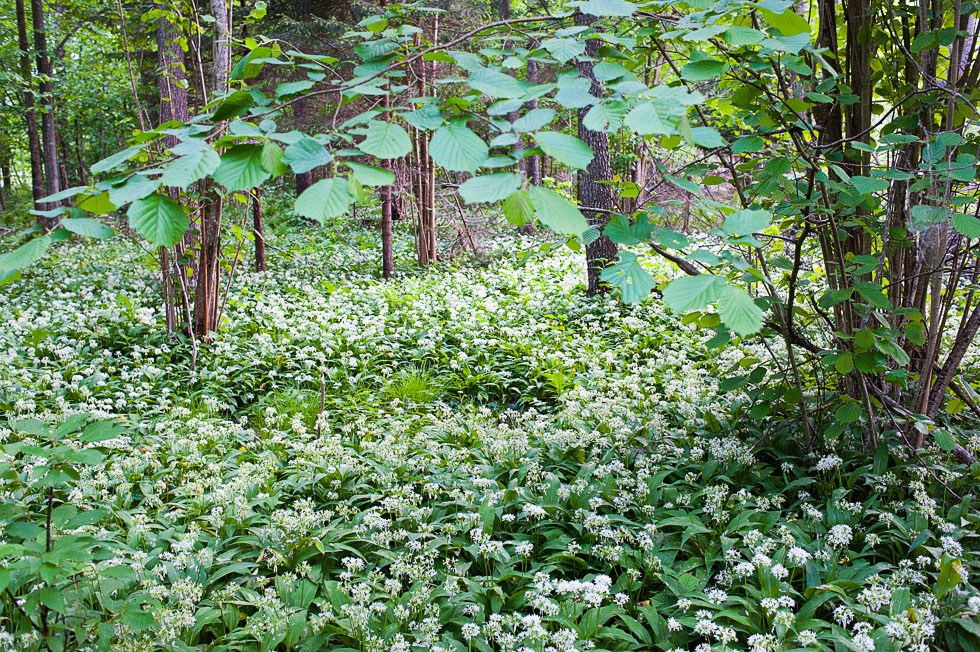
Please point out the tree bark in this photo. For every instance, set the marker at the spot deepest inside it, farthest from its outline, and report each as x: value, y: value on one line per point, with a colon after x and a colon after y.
x: 206, y: 294
x: 259, y: 231
x: 173, y: 75
x: 30, y: 115
x: 591, y: 192
x: 49, y: 136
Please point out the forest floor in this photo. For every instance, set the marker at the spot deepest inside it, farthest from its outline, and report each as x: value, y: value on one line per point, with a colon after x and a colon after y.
x: 477, y: 457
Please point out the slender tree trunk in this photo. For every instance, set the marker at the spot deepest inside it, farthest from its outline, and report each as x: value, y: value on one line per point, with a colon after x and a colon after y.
x: 172, y: 107
x: 592, y: 193
x: 30, y: 115
x: 206, y: 295
x: 49, y: 136
x: 259, y: 231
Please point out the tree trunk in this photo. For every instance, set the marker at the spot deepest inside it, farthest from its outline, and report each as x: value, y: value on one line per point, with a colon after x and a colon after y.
x: 49, y: 137
x: 259, y: 231
x: 173, y: 75
x: 30, y: 115
x: 592, y: 193
x: 206, y: 292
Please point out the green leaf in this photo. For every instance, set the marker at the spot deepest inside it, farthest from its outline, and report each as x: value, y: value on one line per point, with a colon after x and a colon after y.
x: 533, y: 120
x: 605, y: 116
x: 159, y: 219
x: 64, y: 194
x: 704, y: 69
x: 493, y: 187
x: 966, y: 225
x: 24, y: 256
x: 245, y: 69
x: 369, y: 175
x: 844, y: 363
x: 692, y: 292
x: 849, y: 412
x: 496, y: 84
x: 116, y: 159
x: 868, y: 186
x: 427, y: 118
x: 189, y: 169
x: 748, y: 145
x: 873, y: 294
x: 136, y: 187
x: 306, y: 154
x: 634, y: 282
x: 53, y: 599
x: 564, y: 49
x: 564, y: 148
x: 98, y: 204
x: 272, y: 159
x: 739, y: 311
x: 707, y: 137
x: 556, y: 212
x: 233, y: 106
x: 789, y: 22
x: 324, y: 199
x: 292, y: 88
x: 518, y: 208
x: 944, y: 439
x: 620, y: 231
x: 456, y: 148
x: 739, y: 36
x: 607, y: 8
x: 661, y: 118
x: 746, y: 222
x: 385, y: 140
x: 241, y: 168
x: 88, y: 227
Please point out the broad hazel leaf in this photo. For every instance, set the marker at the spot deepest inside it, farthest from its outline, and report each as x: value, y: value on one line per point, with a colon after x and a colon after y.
x: 788, y: 22
x: 634, y: 282
x: 620, y: 231
x: 385, y: 140
x: 739, y: 311
x: 324, y: 199
x: 703, y: 69
x: 556, y: 212
x: 427, y: 118
x: 64, y: 194
x: 496, y: 84
x: 24, y: 256
x: 110, y: 162
x: 618, y: 8
x: 707, y: 137
x: 564, y: 148
x: 518, y: 208
x: 306, y: 154
x: 369, y: 175
x: 533, y: 120
x: 189, y: 169
x: 233, y: 106
x: 97, y: 204
x: 607, y: 116
x: 693, y: 292
x: 245, y: 68
x: 746, y: 222
x: 456, y: 148
x: 966, y: 225
x: 564, y: 49
x: 657, y: 117
x: 493, y: 187
x: 272, y: 159
x: 159, y: 219
x: 137, y: 187
x: 241, y: 168
x: 88, y: 227
x: 292, y: 88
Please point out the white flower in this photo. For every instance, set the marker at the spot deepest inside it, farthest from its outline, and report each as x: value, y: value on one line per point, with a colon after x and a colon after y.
x: 840, y: 536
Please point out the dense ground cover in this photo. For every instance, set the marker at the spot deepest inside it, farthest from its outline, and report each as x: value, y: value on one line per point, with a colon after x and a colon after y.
x: 473, y: 458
